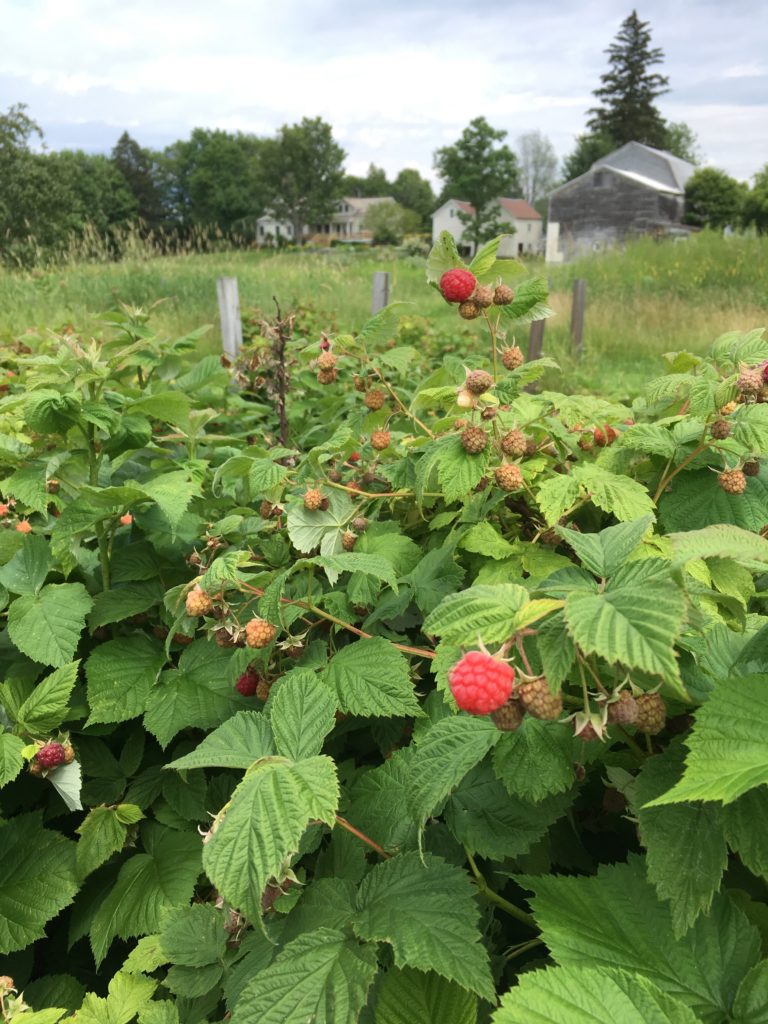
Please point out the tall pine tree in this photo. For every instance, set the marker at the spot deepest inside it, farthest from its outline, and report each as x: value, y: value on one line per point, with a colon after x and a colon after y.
x: 627, y: 112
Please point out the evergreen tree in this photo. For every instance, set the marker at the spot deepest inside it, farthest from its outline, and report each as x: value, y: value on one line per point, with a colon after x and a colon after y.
x: 627, y: 112
x: 478, y: 168
x: 139, y: 170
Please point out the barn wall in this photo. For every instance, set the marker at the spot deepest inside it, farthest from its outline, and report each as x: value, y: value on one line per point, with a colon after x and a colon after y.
x: 594, y: 216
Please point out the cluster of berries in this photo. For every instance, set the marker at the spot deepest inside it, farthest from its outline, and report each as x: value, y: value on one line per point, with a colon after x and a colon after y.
x: 252, y: 684
x: 462, y: 287
x: 752, y: 382
x: 485, y: 685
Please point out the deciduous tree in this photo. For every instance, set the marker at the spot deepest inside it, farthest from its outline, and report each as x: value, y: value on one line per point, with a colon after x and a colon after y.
x: 538, y: 165
x: 712, y: 198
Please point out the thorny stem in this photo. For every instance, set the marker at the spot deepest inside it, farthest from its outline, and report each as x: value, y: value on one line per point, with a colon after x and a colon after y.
x: 281, y: 376
x: 523, y: 947
x: 584, y: 690
x: 403, y: 407
x: 523, y: 655
x: 492, y: 332
x: 362, y: 836
x: 667, y: 478
x: 367, y: 494
x: 493, y: 897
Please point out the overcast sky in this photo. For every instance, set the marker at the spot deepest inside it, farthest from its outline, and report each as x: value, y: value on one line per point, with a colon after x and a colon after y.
x: 395, y: 79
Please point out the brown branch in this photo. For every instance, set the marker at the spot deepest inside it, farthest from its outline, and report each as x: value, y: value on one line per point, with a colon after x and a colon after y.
x: 362, y: 836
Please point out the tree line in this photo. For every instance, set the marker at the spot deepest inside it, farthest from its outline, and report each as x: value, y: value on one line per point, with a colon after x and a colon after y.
x: 216, y: 183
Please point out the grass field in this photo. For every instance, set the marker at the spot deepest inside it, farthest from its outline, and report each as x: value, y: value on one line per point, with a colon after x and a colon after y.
x: 649, y: 299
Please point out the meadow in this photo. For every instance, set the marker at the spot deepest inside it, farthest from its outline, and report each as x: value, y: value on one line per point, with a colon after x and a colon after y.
x: 643, y: 301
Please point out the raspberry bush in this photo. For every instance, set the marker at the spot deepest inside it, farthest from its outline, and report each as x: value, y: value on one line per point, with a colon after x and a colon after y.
x: 371, y: 680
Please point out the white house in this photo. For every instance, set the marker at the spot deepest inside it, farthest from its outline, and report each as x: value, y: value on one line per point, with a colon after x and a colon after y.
x: 345, y: 223
x: 517, y: 217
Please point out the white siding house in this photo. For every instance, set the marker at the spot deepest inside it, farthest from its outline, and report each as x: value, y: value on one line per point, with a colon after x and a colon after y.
x: 345, y: 223
x: 516, y: 215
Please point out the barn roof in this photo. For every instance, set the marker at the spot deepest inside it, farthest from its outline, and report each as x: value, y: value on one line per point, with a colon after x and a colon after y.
x: 652, y: 168
x: 520, y: 209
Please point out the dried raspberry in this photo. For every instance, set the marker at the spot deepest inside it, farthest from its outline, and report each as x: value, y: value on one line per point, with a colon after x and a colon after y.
x: 380, y: 439
x: 588, y: 733
x: 720, y: 429
x: 51, y: 755
x: 375, y: 399
x: 503, y: 295
x: 326, y: 361
x: 732, y: 481
x: 623, y: 710
x: 361, y: 383
x: 751, y: 467
x: 509, y: 716
x: 509, y: 477
x: 348, y: 540
x: 53, y: 486
x: 469, y: 310
x: 512, y: 358
x: 360, y: 524
x: 198, y: 602
x: 513, y: 443
x: 262, y: 689
x: 259, y: 633
x: 474, y: 440
x: 481, y: 683
x: 24, y: 526
x: 313, y: 499
x: 750, y: 380
x: 223, y: 638
x: 539, y: 701
x: 478, y: 382
x: 247, y: 683
x: 69, y: 754
x: 457, y: 285
x: 488, y: 414
x: 483, y: 296
x: 326, y: 376
x: 267, y: 509
x: 651, y: 713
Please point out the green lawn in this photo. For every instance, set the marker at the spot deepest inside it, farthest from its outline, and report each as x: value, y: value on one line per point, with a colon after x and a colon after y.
x: 649, y: 299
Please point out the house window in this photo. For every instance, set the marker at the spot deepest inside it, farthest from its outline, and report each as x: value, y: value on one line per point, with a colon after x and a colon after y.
x: 530, y: 227
x: 599, y: 179
x: 452, y: 212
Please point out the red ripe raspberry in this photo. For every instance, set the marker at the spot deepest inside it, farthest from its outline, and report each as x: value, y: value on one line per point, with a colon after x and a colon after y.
x: 247, y: 683
x: 24, y: 526
x: 481, y: 683
x: 605, y: 437
x: 51, y: 755
x: 354, y: 457
x: 457, y: 285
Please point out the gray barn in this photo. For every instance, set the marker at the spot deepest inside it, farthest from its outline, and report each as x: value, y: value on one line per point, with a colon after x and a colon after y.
x: 633, y: 191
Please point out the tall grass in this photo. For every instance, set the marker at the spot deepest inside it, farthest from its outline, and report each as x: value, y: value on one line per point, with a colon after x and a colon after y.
x: 647, y: 299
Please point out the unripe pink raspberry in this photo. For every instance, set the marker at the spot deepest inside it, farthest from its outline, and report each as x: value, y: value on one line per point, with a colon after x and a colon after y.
x: 457, y: 284
x: 51, y: 755
x: 481, y: 683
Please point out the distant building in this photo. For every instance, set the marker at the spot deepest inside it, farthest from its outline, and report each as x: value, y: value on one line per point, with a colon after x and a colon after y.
x: 516, y: 216
x: 633, y: 191
x: 345, y: 224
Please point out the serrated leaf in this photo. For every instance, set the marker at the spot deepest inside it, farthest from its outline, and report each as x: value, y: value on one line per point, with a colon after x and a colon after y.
x: 101, y: 834
x: 46, y: 880
x: 307, y: 530
x: 442, y: 256
x: 587, y: 995
x: 428, y: 914
x: 400, y: 358
x: 302, y: 713
x: 750, y: 428
x: 483, y: 539
x: 556, y: 495
x: 127, y: 995
x: 545, y: 749
x: 25, y: 573
x: 267, y: 815
x: 167, y: 406
x: 352, y: 561
x: 751, y: 1003
x: 721, y: 540
x: 727, y: 754
x: 378, y: 798
x: 68, y: 782
x: 739, y: 820
x: 685, y: 843
x: 242, y: 739
x: 457, y: 470
x: 120, y: 675
x: 695, y: 501
x: 46, y: 626
x: 145, y: 957
x: 483, y: 817
x: 11, y: 760
x: 194, y: 936
x: 172, y: 492
x: 556, y: 650
x: 651, y: 438
x: 122, y: 602
x: 620, y: 495
x: 149, y: 884
x: 46, y: 707
x: 632, y: 623
x: 322, y: 977
x: 485, y: 257
x: 371, y: 677
x: 614, y: 920
x: 407, y: 996
x: 441, y: 759
x: 529, y: 303
x: 605, y: 552
x: 484, y: 612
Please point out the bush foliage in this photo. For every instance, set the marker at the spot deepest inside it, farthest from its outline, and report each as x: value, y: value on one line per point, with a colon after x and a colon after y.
x: 237, y: 617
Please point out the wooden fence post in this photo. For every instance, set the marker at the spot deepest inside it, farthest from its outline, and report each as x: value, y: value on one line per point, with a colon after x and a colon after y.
x: 229, y: 314
x: 536, y: 339
x: 380, y: 296
x: 577, y: 315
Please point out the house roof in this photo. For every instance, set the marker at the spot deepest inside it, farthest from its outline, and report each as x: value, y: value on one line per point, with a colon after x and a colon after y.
x: 652, y: 168
x: 520, y: 209
x: 364, y: 203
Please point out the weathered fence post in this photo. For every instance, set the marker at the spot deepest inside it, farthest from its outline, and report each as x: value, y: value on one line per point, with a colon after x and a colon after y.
x: 380, y: 296
x: 229, y: 313
x: 577, y: 315
x: 536, y: 339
